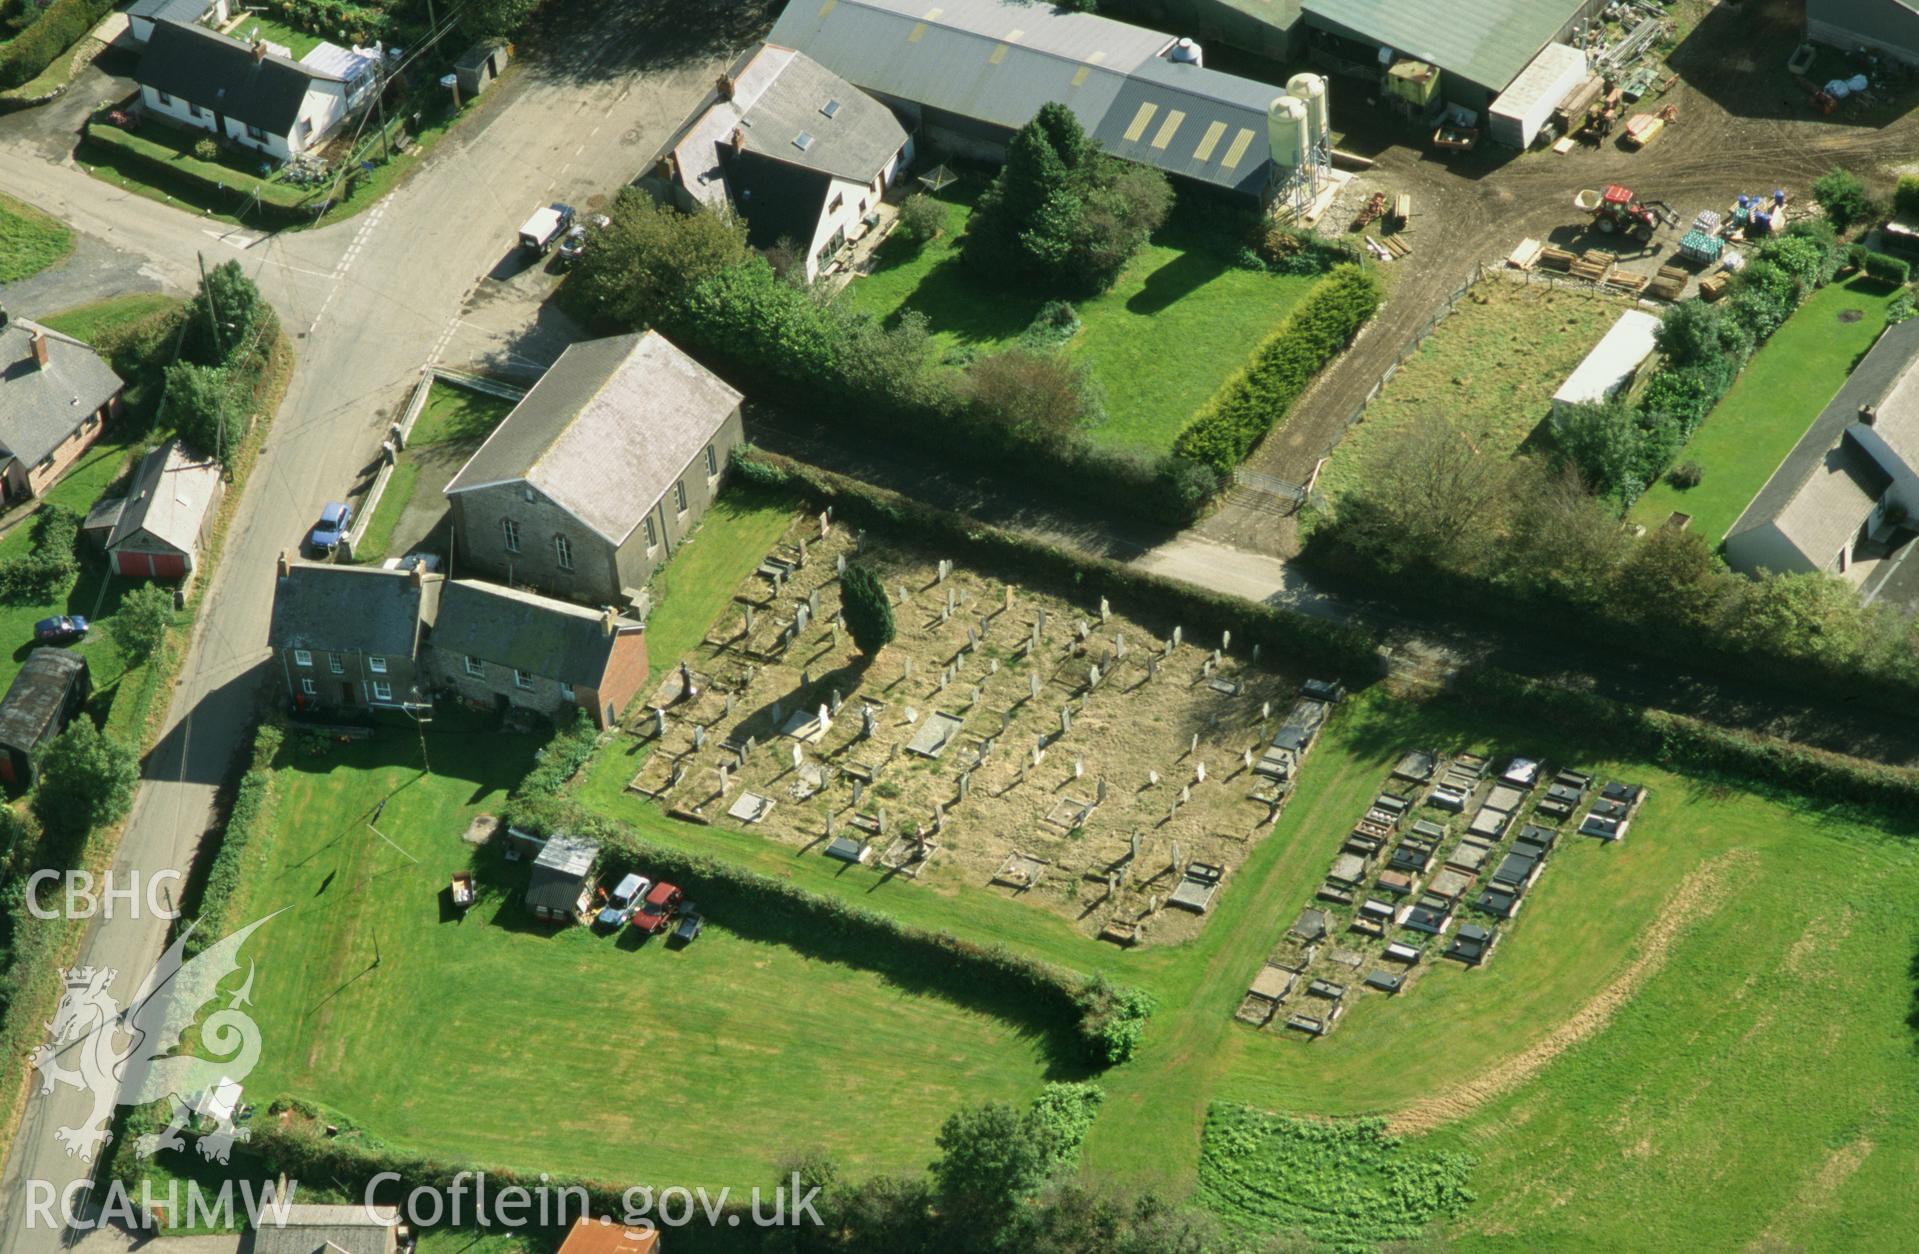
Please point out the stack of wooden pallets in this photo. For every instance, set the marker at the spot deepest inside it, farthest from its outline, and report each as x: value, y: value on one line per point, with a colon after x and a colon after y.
x: 1627, y: 281
x: 1713, y: 286
x: 1668, y: 283
x: 1593, y: 266
x: 1557, y: 259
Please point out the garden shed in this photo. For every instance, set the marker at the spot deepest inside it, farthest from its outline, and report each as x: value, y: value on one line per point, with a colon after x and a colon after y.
x: 563, y: 879
x: 49, y: 690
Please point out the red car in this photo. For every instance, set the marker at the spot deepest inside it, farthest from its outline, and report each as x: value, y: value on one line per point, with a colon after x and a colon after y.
x: 658, y: 908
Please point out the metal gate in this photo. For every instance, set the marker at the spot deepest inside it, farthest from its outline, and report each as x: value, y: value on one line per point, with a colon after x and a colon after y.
x: 1266, y: 493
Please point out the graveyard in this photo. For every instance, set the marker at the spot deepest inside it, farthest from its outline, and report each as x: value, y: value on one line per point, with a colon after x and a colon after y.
x: 1113, y: 771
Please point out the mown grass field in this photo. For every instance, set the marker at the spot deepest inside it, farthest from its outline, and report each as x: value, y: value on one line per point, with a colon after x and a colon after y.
x: 1181, y: 290
x: 1792, y: 377
x: 1492, y: 366
x: 30, y: 240
x: 452, y: 415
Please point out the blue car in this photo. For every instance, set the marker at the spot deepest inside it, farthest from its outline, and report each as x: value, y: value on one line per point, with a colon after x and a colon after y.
x: 332, y: 527
x: 61, y: 629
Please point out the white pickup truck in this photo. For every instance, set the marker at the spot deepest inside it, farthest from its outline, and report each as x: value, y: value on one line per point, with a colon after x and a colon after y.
x: 541, y: 231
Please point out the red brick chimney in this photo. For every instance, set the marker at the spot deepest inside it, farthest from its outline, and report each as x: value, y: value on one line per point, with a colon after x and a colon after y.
x: 40, y: 349
x: 739, y: 139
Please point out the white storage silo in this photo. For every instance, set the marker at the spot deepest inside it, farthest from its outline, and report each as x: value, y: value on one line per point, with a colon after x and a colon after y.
x: 1186, y: 52
x: 1289, y: 129
x: 1311, y: 89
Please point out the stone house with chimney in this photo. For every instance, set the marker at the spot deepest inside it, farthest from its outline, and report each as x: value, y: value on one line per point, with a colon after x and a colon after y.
x: 350, y: 637
x: 56, y: 397
x: 600, y: 471
x: 509, y: 647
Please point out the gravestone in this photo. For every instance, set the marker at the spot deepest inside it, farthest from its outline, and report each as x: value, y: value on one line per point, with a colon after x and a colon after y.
x: 1177, y: 635
x: 726, y: 778
x: 726, y: 706
x: 1246, y: 760
x: 1119, y: 646
x: 992, y: 666
x: 1225, y: 640
x: 1099, y: 790
x: 1265, y: 709
x: 839, y: 565
x: 1079, y: 767
x: 907, y: 670
x: 837, y: 702
x: 826, y: 721
x: 659, y: 721
x: 1008, y: 602
x: 1255, y: 650
x: 1032, y: 683
x: 1185, y: 793
x: 1133, y: 853
x: 976, y: 696
x: 859, y: 541
x: 812, y: 605
x: 903, y: 597
x: 699, y: 738
x: 1065, y: 720
x: 866, y: 721
x: 859, y: 789
x: 1105, y: 611
x: 949, y: 601
x: 801, y: 617
x: 799, y: 756
x: 972, y: 638
x: 1152, y: 665
x: 1152, y: 779
x: 912, y: 715
x: 749, y: 619
x: 1092, y: 675
x: 1199, y: 772
x: 1175, y: 861
x: 881, y: 821
x: 826, y: 523
x: 939, y: 816
x: 829, y: 822
x: 687, y: 689
x: 945, y: 569
x: 1193, y: 747
x: 965, y: 784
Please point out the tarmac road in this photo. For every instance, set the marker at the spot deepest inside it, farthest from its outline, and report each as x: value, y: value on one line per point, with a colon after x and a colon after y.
x: 367, y: 303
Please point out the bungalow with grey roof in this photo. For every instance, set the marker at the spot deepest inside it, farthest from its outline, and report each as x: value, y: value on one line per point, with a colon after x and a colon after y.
x: 598, y: 473
x: 56, y: 396
x: 243, y: 93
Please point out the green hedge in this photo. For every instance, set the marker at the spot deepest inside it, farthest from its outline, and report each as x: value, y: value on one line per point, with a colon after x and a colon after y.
x: 45, y: 570
x: 1893, y: 270
x: 1257, y: 398
x: 59, y: 26
x: 243, y: 824
x: 1692, y: 746
x: 221, y: 188
x: 1346, y: 652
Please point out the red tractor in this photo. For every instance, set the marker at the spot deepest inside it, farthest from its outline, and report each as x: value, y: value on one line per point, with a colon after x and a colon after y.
x: 1617, y: 210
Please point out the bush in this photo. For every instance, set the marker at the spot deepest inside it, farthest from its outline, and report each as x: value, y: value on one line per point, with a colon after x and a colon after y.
x: 644, y: 266
x: 207, y: 149
x: 46, y: 570
x: 1283, y: 249
x: 1112, y: 1019
x: 1259, y: 396
x: 244, y: 815
x: 86, y: 782
x: 1856, y: 255
x: 1894, y: 271
x: 1055, y: 323
x: 1605, y: 441
x: 1844, y: 198
x: 59, y: 26
x: 868, y: 614
x: 1031, y: 399
x: 921, y: 219
x: 1905, y: 198
x: 1687, y: 474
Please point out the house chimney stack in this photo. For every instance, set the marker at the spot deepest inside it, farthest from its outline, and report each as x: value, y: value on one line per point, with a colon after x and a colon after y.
x: 739, y: 139
x: 40, y: 348
x: 286, y: 564
x: 609, y: 621
x: 259, y: 50
x: 724, y: 86
x: 418, y: 574
x: 1868, y: 414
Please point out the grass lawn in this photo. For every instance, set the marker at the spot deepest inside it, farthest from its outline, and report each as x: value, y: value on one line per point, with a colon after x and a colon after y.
x: 699, y: 582
x: 1493, y: 366
x: 30, y: 241
x: 457, y: 413
x: 393, y: 504
x: 496, y: 1040
x: 1792, y: 377
x: 1180, y: 290
x: 90, y: 322
x: 277, y: 32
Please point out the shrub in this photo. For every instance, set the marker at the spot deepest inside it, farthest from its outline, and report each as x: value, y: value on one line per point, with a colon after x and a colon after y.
x: 1844, y: 198
x: 1693, y: 331
x: 207, y: 149
x: 921, y: 219
x: 868, y: 614
x: 86, y: 782
x: 139, y: 625
x: 1112, y: 1019
x: 1605, y: 441
x: 1894, y: 271
x: 1856, y: 255
x: 45, y: 39
x: 1687, y: 474
x: 1284, y: 249
x: 45, y: 570
x: 1055, y: 323
x: 1905, y: 198
x: 1256, y: 398
x: 647, y: 262
x: 244, y: 815
x: 1031, y: 399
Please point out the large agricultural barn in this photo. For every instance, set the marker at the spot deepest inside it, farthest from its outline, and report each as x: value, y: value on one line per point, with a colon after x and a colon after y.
x: 1886, y: 26
x: 971, y: 72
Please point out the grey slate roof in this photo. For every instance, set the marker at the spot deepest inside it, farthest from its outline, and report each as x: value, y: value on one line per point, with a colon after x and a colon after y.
x: 37, y: 695
x: 855, y: 143
x: 534, y: 635
x: 998, y: 62
x: 41, y: 406
x: 171, y: 10
x: 1483, y: 41
x: 1870, y: 383
x: 326, y: 1230
x: 171, y: 492
x: 218, y: 72
x: 606, y: 431
x: 352, y: 609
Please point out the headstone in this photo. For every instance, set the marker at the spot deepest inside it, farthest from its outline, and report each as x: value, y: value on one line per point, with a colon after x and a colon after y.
x: 1215, y: 657
x: 866, y: 721
x: 946, y: 612
x: 1185, y: 793
x: 749, y: 618
x: 839, y: 565
x: 1005, y: 719
x: 1177, y: 635
x: 1008, y: 604
x: 1152, y: 665
x: 992, y: 666
x: 1099, y: 790
x: 801, y: 617
x: 687, y: 690
x: 699, y: 738
x: 1032, y: 683
x: 829, y: 822
x: 1199, y: 772
x: 965, y: 784
x: 859, y: 790
x: 1039, y: 623
x: 726, y: 706
x: 882, y: 820
x: 903, y: 598
x: 826, y: 720
x: 976, y: 696
x: 949, y: 601
x: 946, y: 677
x: 912, y: 715
x: 802, y: 550
x: 972, y: 637
x: 1255, y: 650
x: 1133, y: 854
x: 659, y: 721
x: 1079, y: 767
x: 1065, y: 720
x: 859, y: 541
x: 1225, y: 640
x: 826, y: 523
x: 1193, y: 746
x: 1265, y: 709
x: 1175, y: 862
x: 1105, y: 611
x: 813, y: 604
x: 1206, y: 667
x: 1119, y: 646
x: 1112, y: 884
x: 1080, y: 629
x: 1246, y: 760
x: 945, y: 569
x: 1039, y: 752
x: 939, y: 816
x: 726, y: 778
x: 806, y: 678
x: 836, y: 633
x: 1152, y: 779
x: 751, y: 744
x: 1092, y: 675
x: 837, y: 702
x: 799, y: 756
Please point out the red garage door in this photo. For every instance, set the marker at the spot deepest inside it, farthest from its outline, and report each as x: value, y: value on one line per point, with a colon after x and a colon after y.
x: 150, y: 565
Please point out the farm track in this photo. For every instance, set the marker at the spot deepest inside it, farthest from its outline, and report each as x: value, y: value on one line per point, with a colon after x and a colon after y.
x: 1698, y: 896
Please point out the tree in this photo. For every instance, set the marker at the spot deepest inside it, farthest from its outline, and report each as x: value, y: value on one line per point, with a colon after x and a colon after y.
x: 1604, y: 440
x: 1693, y: 331
x: 1036, y: 399
x: 1431, y: 494
x: 495, y: 19
x: 225, y: 318
x: 1062, y: 212
x: 86, y: 782
x: 641, y: 269
x: 1905, y: 198
x: 198, y: 404
x: 140, y: 624
x: 1844, y: 198
x: 990, y: 1162
x: 868, y: 614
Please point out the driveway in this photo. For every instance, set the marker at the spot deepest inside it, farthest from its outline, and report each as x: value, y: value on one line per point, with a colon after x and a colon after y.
x: 366, y: 302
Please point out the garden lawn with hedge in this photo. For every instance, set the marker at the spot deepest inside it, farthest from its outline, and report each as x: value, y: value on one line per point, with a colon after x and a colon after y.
x: 1790, y: 379
x: 1181, y: 319
x: 30, y: 240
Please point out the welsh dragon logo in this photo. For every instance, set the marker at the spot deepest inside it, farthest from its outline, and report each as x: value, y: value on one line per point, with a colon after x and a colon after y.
x: 131, y: 1057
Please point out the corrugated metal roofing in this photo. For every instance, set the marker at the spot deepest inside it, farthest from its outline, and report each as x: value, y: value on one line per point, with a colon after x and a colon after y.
x: 997, y: 62
x: 171, y: 493
x: 1483, y: 41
